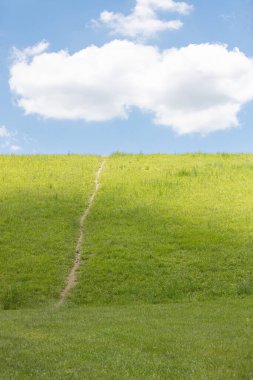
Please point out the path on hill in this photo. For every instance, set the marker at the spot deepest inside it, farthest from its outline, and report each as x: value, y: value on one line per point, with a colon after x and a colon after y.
x: 71, y: 280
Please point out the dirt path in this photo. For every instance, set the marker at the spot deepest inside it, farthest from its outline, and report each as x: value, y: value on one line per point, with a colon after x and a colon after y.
x: 71, y: 280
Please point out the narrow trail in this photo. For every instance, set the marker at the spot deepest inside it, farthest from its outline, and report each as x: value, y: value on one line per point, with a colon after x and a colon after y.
x: 71, y: 280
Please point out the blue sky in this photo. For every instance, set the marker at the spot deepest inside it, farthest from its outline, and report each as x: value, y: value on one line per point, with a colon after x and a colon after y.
x: 67, y: 25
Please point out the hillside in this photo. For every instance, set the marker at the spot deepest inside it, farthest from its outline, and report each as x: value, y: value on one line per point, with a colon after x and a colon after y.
x: 166, y: 228
x: 164, y: 286
x: 41, y: 199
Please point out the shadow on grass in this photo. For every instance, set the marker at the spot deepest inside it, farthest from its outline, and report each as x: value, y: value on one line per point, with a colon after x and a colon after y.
x: 140, y: 254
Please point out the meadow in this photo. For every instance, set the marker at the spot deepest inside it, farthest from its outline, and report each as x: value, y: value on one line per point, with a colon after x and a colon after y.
x: 164, y: 289
x: 169, y: 228
x: 41, y: 199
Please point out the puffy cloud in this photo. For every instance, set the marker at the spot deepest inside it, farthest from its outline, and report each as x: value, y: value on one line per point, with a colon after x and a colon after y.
x: 4, y: 133
x: 198, y: 88
x: 144, y: 21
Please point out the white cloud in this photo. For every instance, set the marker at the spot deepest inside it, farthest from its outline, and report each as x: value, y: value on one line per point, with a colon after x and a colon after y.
x: 4, y: 133
x: 9, y: 140
x: 30, y: 51
x: 144, y: 21
x: 198, y: 88
x: 15, y: 148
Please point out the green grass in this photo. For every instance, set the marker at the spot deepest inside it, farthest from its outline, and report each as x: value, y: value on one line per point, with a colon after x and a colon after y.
x: 41, y: 200
x: 169, y: 228
x: 211, y: 340
x: 165, y: 286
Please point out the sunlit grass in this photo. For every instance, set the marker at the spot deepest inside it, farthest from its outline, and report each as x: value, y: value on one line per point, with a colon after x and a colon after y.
x: 170, y: 228
x: 165, y: 284
x: 41, y: 200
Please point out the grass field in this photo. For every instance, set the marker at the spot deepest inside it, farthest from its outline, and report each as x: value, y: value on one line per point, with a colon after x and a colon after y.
x: 170, y: 228
x: 211, y: 340
x: 41, y: 200
x: 165, y: 286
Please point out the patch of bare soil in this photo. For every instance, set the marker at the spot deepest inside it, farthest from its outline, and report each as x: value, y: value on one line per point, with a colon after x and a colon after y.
x: 71, y: 280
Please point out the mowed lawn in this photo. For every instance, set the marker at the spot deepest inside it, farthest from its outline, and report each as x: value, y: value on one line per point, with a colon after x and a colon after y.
x: 165, y: 286
x: 197, y: 341
x: 41, y: 200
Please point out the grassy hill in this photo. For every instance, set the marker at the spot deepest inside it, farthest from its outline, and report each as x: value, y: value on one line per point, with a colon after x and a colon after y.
x: 169, y: 228
x: 41, y: 199
x: 164, y: 289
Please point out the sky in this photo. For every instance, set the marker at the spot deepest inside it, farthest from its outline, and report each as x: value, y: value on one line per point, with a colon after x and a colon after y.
x: 136, y: 76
